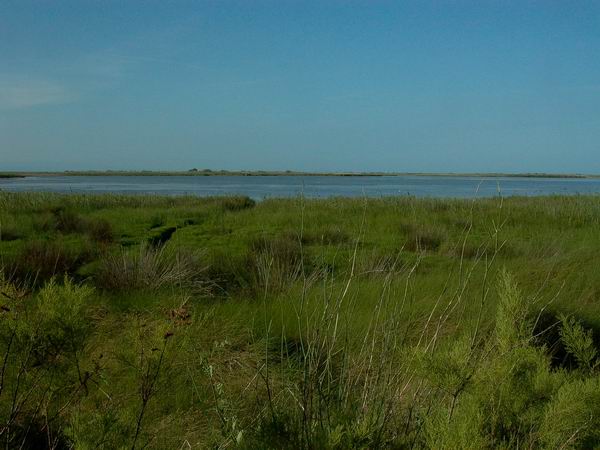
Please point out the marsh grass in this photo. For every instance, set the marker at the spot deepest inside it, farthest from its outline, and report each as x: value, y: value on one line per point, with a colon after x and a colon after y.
x: 100, y: 231
x: 236, y: 203
x: 328, y: 236
x: 423, y: 239
x: 10, y: 230
x: 40, y: 260
x: 68, y: 221
x: 277, y: 262
x: 151, y: 268
x: 337, y: 324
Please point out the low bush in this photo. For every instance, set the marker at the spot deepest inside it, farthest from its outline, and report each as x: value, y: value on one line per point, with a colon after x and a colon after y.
x: 571, y: 420
x: 42, y: 338
x: 504, y: 393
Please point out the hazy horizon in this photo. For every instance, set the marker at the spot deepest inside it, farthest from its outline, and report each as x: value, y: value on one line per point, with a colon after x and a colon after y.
x: 313, y: 86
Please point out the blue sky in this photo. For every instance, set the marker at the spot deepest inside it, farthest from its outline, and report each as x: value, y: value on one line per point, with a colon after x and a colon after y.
x: 431, y: 86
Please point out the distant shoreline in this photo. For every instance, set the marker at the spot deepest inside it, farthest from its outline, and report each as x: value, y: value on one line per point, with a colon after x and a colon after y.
x: 262, y: 173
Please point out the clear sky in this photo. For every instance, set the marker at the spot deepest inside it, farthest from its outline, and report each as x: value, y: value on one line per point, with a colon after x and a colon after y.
x: 431, y: 86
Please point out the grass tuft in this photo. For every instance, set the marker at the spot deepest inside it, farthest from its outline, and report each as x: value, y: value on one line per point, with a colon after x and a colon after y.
x: 41, y: 260
x: 151, y: 268
x: 423, y: 239
x: 100, y: 231
x: 237, y: 203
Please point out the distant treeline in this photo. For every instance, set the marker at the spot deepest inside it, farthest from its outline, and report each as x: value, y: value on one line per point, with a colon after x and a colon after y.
x: 258, y: 173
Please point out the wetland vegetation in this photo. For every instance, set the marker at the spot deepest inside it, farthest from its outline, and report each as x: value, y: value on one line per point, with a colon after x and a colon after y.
x: 402, y: 323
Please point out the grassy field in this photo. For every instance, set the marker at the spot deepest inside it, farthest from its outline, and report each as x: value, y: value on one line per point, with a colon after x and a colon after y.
x: 184, y: 322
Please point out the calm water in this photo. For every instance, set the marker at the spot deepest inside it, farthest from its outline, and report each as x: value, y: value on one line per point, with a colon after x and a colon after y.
x: 313, y: 186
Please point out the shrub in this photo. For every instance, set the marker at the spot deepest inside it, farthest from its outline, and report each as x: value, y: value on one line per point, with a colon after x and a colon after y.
x: 512, y: 324
x: 496, y: 395
x: 515, y: 398
x: 43, y: 345
x: 61, y: 310
x: 579, y: 343
x: 572, y: 419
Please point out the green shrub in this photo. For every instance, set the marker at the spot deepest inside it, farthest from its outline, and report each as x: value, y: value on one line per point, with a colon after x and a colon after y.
x: 579, y: 343
x: 493, y: 396
x: 513, y: 327
x: 42, y: 343
x: 63, y: 323
x: 572, y: 418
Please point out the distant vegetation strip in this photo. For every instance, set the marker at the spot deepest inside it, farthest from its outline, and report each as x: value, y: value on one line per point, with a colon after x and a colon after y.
x: 258, y: 173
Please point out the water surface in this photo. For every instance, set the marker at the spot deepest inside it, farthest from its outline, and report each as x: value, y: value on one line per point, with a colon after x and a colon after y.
x: 260, y: 187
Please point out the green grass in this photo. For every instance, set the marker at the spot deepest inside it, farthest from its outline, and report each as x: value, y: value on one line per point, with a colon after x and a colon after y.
x: 186, y: 322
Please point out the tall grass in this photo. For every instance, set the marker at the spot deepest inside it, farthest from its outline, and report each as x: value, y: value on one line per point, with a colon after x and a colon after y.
x: 151, y: 268
x: 330, y: 330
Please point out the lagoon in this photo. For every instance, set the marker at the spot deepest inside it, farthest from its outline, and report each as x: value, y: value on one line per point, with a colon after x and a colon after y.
x: 262, y: 187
